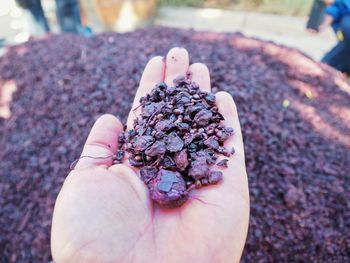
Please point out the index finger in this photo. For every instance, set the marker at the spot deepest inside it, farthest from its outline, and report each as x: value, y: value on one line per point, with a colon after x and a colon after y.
x: 152, y: 75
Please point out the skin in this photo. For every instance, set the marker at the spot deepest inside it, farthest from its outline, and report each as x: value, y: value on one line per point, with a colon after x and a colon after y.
x: 103, y: 212
x: 329, y: 2
x: 327, y: 22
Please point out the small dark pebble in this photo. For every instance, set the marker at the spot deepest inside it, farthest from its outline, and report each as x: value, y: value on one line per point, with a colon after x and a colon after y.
x: 174, y: 142
x: 214, y: 177
x: 199, y: 168
x: 203, y: 117
x: 141, y: 143
x: 168, y: 189
x: 212, y: 143
x: 181, y: 160
x: 119, y: 155
x: 134, y: 162
x: 156, y: 149
x: 222, y: 163
x: 148, y: 173
x: 168, y: 162
x: 233, y: 150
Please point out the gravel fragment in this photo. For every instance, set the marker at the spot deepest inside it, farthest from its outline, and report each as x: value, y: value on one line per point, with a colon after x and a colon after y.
x: 174, y: 143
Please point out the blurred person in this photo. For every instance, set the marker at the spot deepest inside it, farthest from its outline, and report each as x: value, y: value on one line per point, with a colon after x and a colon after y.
x: 67, y: 13
x: 338, y: 17
x: 37, y: 12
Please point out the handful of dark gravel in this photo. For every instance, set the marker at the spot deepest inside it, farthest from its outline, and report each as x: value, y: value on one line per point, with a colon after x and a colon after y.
x: 176, y: 141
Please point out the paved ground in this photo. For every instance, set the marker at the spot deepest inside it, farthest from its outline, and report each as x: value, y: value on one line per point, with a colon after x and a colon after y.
x: 286, y: 30
x: 9, y: 27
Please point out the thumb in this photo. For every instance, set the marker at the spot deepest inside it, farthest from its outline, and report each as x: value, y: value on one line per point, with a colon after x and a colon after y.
x: 102, y: 143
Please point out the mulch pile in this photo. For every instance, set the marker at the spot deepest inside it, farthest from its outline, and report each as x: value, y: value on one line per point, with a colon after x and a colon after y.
x: 294, y: 112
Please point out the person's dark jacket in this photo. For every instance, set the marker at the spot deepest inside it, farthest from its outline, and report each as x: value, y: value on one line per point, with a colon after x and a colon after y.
x: 337, y: 10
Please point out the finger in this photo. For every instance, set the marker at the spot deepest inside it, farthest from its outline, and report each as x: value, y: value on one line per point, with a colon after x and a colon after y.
x: 177, y: 63
x: 199, y: 73
x: 152, y: 74
x: 228, y: 109
x: 102, y: 142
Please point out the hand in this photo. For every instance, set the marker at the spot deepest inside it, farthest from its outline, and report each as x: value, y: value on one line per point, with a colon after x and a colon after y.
x: 104, y: 213
x: 312, y: 31
x: 329, y: 2
x: 327, y: 21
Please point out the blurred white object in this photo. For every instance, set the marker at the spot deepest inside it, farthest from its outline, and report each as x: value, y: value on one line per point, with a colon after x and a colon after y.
x: 123, y: 15
x: 6, y: 6
x: 16, y: 12
x: 21, y: 37
x: 128, y: 19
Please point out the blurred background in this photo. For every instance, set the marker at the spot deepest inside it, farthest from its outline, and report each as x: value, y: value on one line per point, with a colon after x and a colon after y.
x: 282, y: 21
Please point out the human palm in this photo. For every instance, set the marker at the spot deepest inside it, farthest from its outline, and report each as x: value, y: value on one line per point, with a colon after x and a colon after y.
x: 104, y: 213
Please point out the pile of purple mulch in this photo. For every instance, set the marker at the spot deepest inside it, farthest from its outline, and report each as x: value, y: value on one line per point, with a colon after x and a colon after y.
x: 294, y: 112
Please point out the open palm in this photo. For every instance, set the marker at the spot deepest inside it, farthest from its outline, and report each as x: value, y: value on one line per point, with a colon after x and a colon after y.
x: 104, y: 213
